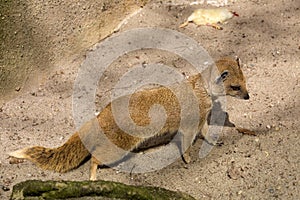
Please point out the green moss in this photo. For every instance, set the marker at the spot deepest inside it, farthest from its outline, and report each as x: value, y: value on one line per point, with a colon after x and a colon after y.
x: 73, y: 189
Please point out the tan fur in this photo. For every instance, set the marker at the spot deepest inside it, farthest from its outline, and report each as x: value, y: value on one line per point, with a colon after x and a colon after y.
x: 61, y: 159
x: 234, y: 78
x: 74, y: 152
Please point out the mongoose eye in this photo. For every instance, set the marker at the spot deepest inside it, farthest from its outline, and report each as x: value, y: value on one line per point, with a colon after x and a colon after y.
x: 235, y: 88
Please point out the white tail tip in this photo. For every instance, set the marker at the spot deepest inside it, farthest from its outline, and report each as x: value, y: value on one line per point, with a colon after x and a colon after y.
x: 18, y: 154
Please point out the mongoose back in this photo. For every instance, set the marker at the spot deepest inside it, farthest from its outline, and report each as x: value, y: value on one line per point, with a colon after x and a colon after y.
x: 74, y: 152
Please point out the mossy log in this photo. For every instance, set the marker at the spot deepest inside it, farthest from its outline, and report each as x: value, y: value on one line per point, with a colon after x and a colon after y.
x: 36, y: 189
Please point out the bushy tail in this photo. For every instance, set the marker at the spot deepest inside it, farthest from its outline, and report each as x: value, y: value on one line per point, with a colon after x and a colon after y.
x: 62, y: 159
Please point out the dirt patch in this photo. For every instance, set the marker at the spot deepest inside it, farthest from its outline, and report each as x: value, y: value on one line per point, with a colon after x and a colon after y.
x: 266, y: 166
x: 36, y: 37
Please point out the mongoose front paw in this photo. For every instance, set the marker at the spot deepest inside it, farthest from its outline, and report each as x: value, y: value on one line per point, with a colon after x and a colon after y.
x: 245, y: 131
x: 214, y: 143
x: 186, y: 158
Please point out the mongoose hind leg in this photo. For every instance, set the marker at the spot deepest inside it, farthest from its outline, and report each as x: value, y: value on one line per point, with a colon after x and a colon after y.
x: 93, y: 168
x: 184, y: 24
x: 187, y: 141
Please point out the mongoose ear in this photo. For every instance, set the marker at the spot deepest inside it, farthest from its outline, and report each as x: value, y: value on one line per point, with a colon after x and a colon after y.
x: 238, y: 61
x: 222, y: 77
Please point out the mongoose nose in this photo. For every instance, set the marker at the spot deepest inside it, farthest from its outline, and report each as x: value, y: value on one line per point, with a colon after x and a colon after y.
x: 246, y: 97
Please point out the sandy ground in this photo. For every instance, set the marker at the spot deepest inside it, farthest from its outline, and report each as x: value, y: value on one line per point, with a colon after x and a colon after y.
x: 267, y: 166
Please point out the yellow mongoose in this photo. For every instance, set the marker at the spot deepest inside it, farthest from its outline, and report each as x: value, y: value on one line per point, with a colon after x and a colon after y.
x: 210, y: 17
x: 71, y: 154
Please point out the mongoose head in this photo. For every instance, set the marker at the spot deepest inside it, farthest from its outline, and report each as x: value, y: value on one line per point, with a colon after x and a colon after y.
x: 231, y: 75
